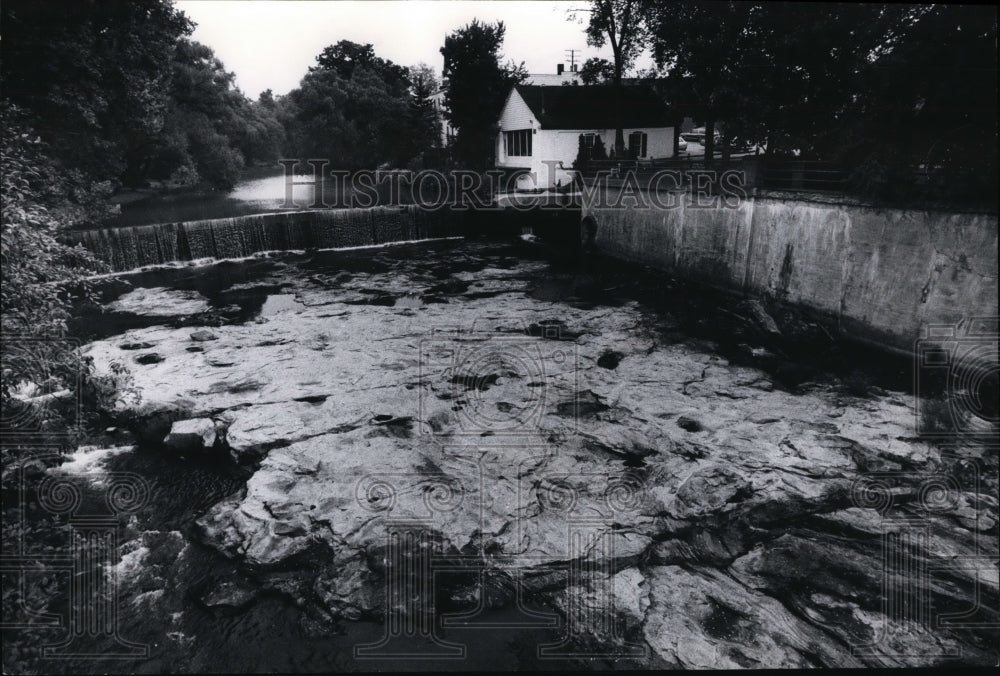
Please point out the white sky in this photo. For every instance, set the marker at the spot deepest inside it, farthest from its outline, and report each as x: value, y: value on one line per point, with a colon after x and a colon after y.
x: 270, y: 44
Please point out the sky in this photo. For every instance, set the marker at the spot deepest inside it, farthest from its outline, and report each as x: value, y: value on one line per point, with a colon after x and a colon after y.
x: 270, y: 44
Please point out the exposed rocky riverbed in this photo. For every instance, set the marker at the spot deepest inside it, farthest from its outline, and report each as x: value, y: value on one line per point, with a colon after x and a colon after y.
x: 490, y: 433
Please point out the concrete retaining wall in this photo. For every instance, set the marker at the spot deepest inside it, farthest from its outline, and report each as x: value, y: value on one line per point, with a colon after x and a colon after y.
x: 878, y: 274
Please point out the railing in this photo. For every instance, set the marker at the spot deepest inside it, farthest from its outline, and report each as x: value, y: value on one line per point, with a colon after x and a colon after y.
x: 684, y: 168
x: 803, y: 175
x: 920, y: 186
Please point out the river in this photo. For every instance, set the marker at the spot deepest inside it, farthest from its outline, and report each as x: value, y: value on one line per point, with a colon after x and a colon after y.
x: 262, y: 191
x: 734, y: 532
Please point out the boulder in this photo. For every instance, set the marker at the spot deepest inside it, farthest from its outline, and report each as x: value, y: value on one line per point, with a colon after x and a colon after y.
x: 228, y: 594
x: 701, y: 619
x: 160, y: 302
x: 202, y: 335
x: 143, y: 345
x: 151, y: 420
x: 761, y: 319
x: 198, y: 434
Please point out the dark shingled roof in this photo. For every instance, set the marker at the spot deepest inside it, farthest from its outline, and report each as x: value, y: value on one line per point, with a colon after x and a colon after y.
x: 593, y: 107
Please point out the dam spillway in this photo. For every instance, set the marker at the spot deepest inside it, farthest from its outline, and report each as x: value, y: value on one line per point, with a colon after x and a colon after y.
x: 131, y: 247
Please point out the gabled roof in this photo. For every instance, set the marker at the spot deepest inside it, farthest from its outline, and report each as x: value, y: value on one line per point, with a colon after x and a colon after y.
x: 593, y: 106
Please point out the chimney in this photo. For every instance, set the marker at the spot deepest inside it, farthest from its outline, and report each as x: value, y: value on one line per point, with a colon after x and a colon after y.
x: 559, y: 69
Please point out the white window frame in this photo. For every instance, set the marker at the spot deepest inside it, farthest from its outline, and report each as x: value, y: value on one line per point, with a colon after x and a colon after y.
x: 518, y: 142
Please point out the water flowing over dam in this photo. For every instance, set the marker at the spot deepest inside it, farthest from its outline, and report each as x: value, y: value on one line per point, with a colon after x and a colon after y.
x: 127, y: 248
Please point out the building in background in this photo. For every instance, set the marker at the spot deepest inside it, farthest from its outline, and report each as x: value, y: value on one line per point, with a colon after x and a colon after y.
x: 559, y: 78
x: 544, y: 128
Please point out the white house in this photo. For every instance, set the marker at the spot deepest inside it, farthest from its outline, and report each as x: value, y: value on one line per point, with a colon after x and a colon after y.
x: 541, y: 128
x: 560, y: 77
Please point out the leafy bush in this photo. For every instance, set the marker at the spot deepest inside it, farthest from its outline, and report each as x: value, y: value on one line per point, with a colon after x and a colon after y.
x: 586, y: 153
x: 41, y: 274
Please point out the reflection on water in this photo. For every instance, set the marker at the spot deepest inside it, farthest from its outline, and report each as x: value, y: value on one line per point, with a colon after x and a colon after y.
x: 253, y: 196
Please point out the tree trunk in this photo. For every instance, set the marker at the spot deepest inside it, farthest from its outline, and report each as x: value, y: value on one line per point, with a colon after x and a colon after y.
x: 677, y: 140
x: 619, y: 131
x: 709, y: 141
x: 727, y: 147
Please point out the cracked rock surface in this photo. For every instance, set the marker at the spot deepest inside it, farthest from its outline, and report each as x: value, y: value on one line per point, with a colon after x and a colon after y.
x: 666, y: 501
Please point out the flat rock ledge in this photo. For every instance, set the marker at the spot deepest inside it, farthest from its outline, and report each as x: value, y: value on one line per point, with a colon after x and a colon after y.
x: 663, y: 492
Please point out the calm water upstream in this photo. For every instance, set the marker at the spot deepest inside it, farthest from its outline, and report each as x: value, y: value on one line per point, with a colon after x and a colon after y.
x: 258, y: 195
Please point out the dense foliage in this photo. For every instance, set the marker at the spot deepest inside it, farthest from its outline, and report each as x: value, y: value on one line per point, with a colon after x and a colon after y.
x: 890, y: 87
x: 39, y: 198
x: 597, y: 71
x: 40, y: 277
x: 211, y: 130
x: 618, y: 24
x: 477, y: 86
x: 92, y: 75
x: 118, y: 92
x: 358, y: 110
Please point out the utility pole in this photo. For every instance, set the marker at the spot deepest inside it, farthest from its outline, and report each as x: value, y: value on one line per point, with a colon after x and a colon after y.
x: 572, y: 59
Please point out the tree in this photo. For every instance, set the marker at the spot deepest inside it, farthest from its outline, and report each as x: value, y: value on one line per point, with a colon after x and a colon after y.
x: 426, y: 119
x: 586, y: 153
x: 93, y: 75
x: 620, y: 24
x: 597, y: 71
x: 476, y: 87
x: 781, y: 73
x: 812, y: 63
x: 709, y: 49
x: 118, y: 92
x: 928, y: 100
x: 263, y: 139
x: 885, y: 88
x: 209, y: 130
x: 423, y: 81
x: 345, y: 56
x: 266, y: 99
x: 357, y: 110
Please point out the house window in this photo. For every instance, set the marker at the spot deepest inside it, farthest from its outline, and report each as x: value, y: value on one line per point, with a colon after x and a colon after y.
x: 637, y: 144
x: 588, y: 140
x: 517, y: 143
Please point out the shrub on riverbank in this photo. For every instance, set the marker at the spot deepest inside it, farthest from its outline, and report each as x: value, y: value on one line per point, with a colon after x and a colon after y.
x: 45, y: 380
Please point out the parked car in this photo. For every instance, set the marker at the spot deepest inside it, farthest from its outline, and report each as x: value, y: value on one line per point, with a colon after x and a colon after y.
x: 698, y: 135
x: 682, y: 145
x: 740, y: 145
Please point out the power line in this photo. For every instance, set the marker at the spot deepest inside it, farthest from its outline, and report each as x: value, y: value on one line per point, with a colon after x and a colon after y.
x: 572, y: 58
